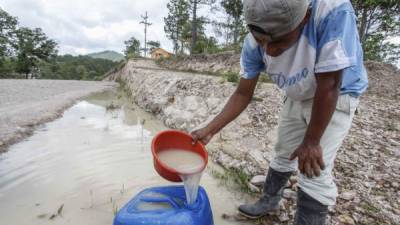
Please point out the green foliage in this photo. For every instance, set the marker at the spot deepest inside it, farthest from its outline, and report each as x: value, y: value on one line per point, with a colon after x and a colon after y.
x: 235, y: 179
x: 132, y: 48
x: 153, y: 45
x: 32, y: 47
x: 378, y: 21
x: 264, y: 78
x: 231, y: 77
x: 196, y: 21
x: 178, y: 16
x: 206, y: 45
x: 22, y: 48
x: 8, y: 25
x: 234, y: 24
x: 7, y: 68
x: 70, y: 67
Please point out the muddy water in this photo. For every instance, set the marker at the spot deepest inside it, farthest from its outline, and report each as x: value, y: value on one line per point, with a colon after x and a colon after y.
x: 189, y: 166
x: 81, y: 168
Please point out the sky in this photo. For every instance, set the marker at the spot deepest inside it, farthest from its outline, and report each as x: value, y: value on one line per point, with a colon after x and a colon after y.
x: 86, y: 26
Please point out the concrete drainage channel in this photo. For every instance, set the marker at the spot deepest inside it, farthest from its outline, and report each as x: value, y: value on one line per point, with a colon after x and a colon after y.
x: 84, y: 166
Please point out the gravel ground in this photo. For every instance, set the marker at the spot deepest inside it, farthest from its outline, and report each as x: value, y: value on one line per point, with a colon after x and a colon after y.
x: 27, y: 103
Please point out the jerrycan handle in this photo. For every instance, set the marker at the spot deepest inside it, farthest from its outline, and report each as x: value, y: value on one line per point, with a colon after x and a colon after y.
x: 160, y: 200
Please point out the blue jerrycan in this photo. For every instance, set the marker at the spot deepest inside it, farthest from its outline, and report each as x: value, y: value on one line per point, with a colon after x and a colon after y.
x: 165, y: 206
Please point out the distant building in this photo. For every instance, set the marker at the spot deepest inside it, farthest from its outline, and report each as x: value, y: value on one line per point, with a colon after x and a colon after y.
x: 158, y: 53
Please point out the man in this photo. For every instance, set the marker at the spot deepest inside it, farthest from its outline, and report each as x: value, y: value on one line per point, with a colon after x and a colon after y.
x: 312, y: 51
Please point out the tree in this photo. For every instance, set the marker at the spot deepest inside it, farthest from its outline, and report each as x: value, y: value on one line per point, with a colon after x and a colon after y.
x: 8, y: 26
x: 33, y: 46
x: 222, y: 29
x: 195, y: 4
x: 175, y: 22
x: 378, y: 21
x: 132, y: 48
x: 234, y: 10
x: 153, y: 45
x: 82, y: 72
x: 204, y: 44
x: 76, y: 67
x: 207, y: 45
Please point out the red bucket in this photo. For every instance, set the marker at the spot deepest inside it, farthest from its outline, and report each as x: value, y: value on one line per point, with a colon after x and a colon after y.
x: 174, y: 139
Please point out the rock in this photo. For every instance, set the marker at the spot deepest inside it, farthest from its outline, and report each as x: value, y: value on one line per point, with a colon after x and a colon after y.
x: 253, y: 188
x: 293, y: 180
x: 1, y: 143
x: 294, y: 187
x: 258, y: 180
x: 394, y: 183
x: 345, y: 219
x: 283, y: 204
x: 393, y: 142
x: 283, y: 217
x: 348, y: 195
x: 289, y: 194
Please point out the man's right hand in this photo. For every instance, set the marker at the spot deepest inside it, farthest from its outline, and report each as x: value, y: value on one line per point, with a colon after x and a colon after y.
x: 203, y: 135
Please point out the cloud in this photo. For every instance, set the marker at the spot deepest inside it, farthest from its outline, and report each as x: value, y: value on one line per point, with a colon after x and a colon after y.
x: 83, y: 26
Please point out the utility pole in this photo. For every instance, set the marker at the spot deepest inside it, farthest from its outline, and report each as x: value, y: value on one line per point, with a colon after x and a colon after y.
x: 146, y: 24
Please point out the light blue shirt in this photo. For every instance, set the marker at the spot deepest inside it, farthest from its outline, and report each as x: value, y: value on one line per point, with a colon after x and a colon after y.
x: 329, y: 42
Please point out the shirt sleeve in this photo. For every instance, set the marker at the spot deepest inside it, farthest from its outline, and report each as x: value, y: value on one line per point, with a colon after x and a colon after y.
x: 337, y: 40
x: 251, y: 59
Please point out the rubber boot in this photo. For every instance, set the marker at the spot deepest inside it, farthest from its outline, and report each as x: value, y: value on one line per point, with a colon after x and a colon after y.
x: 309, y: 211
x: 272, y: 194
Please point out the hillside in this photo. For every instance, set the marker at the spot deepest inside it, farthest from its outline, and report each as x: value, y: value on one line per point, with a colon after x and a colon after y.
x: 110, y: 55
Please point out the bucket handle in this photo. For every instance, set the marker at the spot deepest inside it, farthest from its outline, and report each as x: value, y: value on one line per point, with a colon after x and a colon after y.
x: 160, y: 200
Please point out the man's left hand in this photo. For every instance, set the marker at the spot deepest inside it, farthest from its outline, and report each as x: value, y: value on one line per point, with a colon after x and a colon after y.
x: 309, y: 158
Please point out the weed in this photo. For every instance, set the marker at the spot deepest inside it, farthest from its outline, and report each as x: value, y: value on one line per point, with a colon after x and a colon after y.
x: 115, y: 209
x: 122, y: 191
x: 391, y: 126
x: 234, y: 178
x: 112, y: 106
x: 42, y: 216
x: 264, y: 78
x: 231, y: 77
x: 369, y: 207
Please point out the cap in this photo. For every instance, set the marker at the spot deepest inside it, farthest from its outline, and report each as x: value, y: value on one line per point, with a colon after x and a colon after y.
x: 275, y: 17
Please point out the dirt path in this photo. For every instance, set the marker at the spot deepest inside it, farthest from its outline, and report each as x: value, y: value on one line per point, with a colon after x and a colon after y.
x: 27, y: 103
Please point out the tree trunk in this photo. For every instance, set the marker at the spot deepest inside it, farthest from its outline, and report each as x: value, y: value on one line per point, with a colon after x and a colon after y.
x: 227, y: 31
x: 194, y: 27
x: 362, y: 32
x: 236, y: 32
x: 176, y: 43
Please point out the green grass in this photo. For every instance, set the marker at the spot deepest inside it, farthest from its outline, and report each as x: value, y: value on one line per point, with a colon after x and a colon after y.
x: 233, y: 178
x: 370, y: 207
x: 112, y: 106
x: 231, y: 77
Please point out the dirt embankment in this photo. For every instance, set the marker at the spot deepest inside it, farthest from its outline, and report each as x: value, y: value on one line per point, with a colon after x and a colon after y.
x: 367, y: 169
x: 27, y: 103
x: 212, y: 63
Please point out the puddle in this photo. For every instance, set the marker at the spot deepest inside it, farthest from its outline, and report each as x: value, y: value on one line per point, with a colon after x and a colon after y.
x: 81, y: 168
